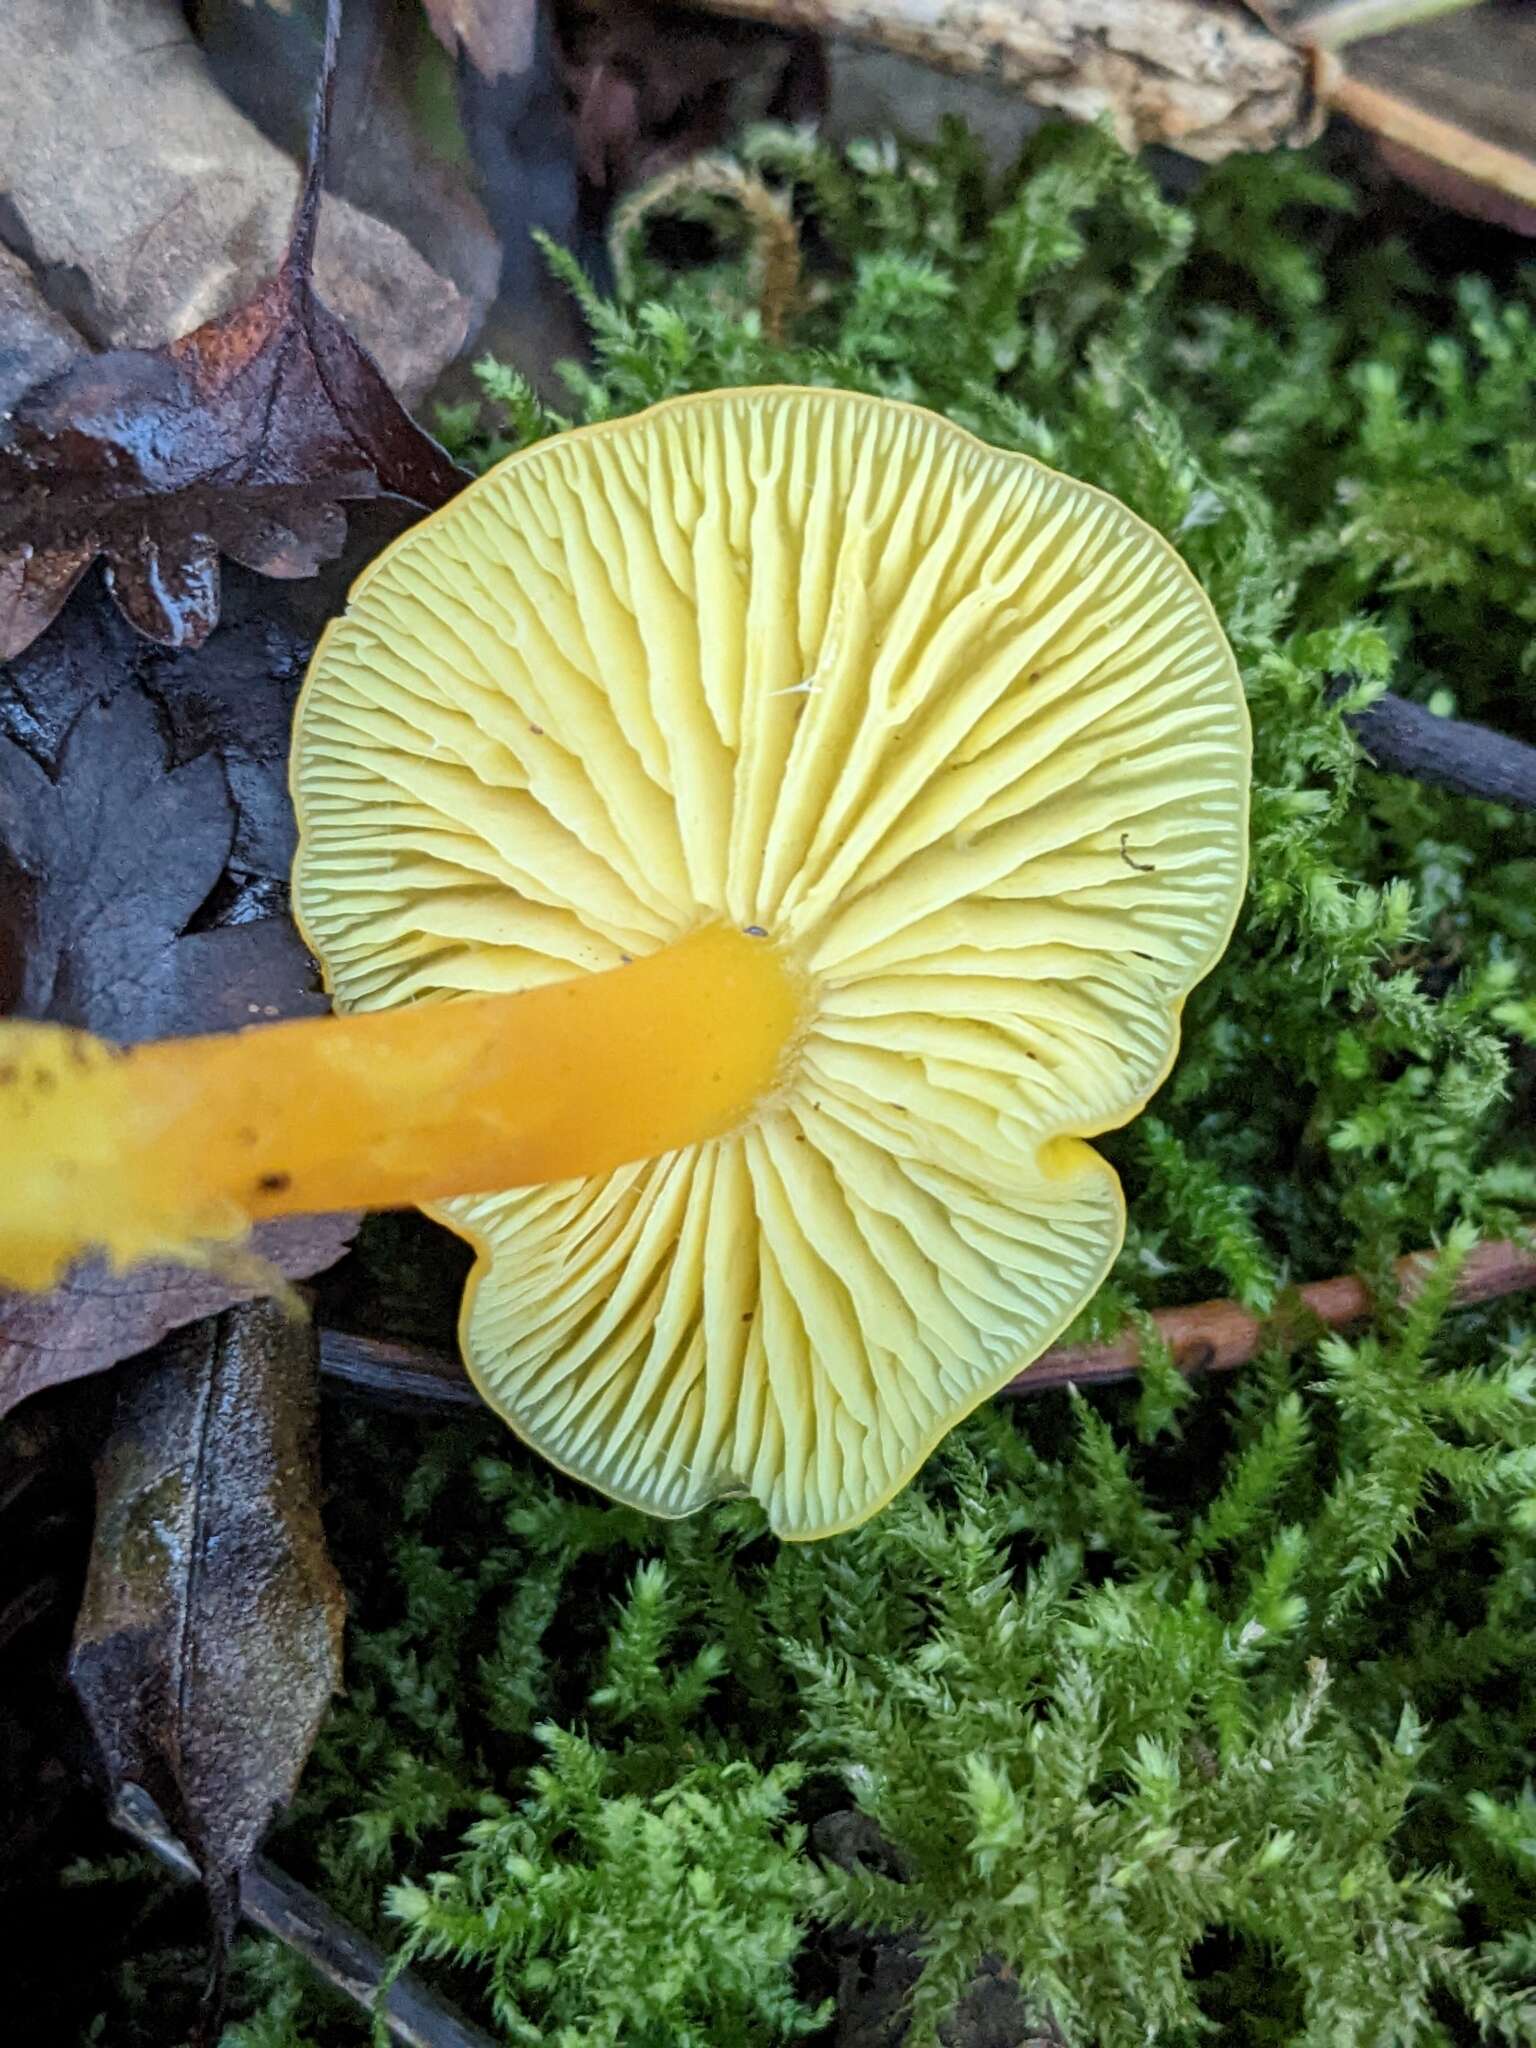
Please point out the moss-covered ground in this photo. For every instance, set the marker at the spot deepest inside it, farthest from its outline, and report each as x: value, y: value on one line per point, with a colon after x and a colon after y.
x: 1202, y: 1706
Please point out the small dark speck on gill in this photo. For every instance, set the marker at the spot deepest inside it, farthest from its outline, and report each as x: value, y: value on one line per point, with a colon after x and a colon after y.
x: 273, y: 1183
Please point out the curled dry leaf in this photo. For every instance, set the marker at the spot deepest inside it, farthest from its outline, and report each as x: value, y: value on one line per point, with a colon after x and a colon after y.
x: 145, y: 834
x: 209, y: 1639
x: 649, y: 89
x: 243, y: 438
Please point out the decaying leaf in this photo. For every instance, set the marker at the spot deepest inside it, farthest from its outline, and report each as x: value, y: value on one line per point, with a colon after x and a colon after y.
x: 243, y: 438
x: 209, y: 1639
x: 105, y: 868
x: 97, y: 1317
x: 148, y: 197
x: 145, y: 836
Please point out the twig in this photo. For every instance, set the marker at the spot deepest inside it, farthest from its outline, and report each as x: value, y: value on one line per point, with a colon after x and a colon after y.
x: 1399, y: 121
x: 271, y: 1900
x: 1356, y: 21
x: 1450, y: 753
x: 402, y: 1375
x: 775, y: 240
x: 1207, y: 1336
x: 1195, y: 75
x: 1201, y: 76
x: 1215, y: 1336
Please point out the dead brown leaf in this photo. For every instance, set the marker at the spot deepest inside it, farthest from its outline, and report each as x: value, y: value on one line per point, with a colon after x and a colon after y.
x: 652, y: 86
x: 95, y: 1317
x: 145, y: 838
x: 209, y: 1639
x: 242, y: 438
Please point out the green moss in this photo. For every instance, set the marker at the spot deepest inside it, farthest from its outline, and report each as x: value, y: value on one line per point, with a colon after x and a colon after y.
x: 1203, y: 1708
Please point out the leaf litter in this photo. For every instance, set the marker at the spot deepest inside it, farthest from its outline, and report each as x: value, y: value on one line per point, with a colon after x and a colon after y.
x: 243, y: 439
x: 209, y: 1640
x: 145, y: 839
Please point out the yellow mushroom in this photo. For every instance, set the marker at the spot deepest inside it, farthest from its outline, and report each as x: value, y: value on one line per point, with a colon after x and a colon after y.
x: 767, y: 836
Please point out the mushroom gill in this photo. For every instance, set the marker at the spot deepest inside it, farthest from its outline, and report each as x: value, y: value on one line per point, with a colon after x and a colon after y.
x: 955, y: 738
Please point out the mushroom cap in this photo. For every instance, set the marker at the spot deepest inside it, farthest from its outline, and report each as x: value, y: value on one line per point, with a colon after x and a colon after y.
x: 963, y: 733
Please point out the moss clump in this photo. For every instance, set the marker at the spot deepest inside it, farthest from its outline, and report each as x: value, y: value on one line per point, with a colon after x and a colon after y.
x: 1203, y: 1708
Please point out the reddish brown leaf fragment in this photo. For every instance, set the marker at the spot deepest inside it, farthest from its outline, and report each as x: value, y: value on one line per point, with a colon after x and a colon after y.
x: 35, y: 583
x: 209, y: 1638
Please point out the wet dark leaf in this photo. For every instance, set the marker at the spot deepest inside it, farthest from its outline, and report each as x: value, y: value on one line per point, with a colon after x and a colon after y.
x: 96, y: 1317
x: 145, y: 834
x: 209, y: 1639
x: 90, y: 929
x: 105, y: 866
x: 241, y: 439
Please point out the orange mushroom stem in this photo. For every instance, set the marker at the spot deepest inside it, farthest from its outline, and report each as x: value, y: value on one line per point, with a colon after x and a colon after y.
x: 168, y: 1149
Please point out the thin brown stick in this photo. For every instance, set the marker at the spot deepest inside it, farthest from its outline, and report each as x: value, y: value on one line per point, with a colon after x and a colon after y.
x: 1395, y: 120
x: 332, y: 1947
x: 1356, y: 21
x: 1215, y: 1336
x: 1206, y: 1336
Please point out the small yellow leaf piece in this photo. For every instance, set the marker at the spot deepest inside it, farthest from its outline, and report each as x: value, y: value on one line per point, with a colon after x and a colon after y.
x: 960, y: 737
